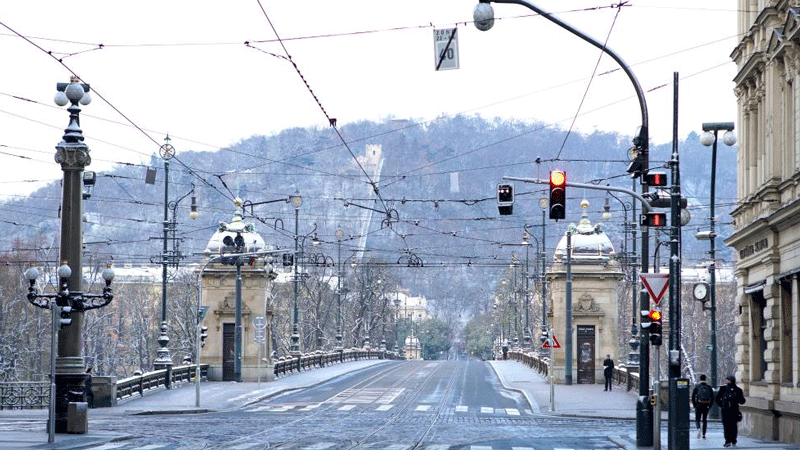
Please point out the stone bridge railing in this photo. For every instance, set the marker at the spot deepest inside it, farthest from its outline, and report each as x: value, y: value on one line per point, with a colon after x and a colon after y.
x: 287, y: 365
x: 542, y: 365
x: 108, y: 391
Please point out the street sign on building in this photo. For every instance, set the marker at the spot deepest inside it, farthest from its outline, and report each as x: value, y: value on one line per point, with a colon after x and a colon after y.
x: 445, y: 49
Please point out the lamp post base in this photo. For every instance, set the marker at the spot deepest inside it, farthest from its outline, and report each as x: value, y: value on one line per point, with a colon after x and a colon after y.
x: 70, y: 388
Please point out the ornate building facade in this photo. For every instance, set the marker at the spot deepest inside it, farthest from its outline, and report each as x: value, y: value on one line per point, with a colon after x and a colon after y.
x: 219, y: 295
x: 596, y: 277
x: 766, y: 234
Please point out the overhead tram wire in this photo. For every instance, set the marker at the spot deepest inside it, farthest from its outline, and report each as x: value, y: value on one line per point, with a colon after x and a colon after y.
x: 427, y: 122
x: 117, y: 110
x: 549, y: 125
x: 589, y: 84
x: 101, y: 46
x: 331, y: 121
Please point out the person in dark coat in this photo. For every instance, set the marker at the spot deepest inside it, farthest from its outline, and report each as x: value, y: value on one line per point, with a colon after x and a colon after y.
x: 702, y: 398
x: 608, y: 371
x: 729, y: 398
x: 87, y: 388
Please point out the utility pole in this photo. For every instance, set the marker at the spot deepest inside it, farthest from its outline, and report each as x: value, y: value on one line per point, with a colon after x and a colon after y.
x: 568, y: 330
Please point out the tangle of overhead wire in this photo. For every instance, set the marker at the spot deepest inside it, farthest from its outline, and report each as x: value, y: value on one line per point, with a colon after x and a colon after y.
x: 107, y: 102
x: 331, y: 120
x: 589, y: 84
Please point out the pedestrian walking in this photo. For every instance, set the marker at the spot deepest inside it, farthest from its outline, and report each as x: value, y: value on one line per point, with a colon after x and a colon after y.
x: 729, y: 398
x: 702, y: 398
x: 87, y: 388
x: 608, y: 371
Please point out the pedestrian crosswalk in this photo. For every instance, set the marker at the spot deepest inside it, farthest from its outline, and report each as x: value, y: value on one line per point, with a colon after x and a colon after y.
x: 324, y: 445
x: 384, y: 407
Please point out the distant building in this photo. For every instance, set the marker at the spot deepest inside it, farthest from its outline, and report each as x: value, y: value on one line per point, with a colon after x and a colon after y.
x: 414, y: 309
x: 596, y: 276
x: 219, y: 294
x: 766, y: 219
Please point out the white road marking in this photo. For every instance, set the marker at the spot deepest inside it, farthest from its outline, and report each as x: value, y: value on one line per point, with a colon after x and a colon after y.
x: 385, y: 407
x: 480, y: 447
x: 109, y: 446
x: 347, y: 407
x: 462, y: 408
x: 320, y: 446
x: 487, y: 410
x: 521, y: 448
x: 423, y: 408
x: 310, y: 407
x: 512, y: 411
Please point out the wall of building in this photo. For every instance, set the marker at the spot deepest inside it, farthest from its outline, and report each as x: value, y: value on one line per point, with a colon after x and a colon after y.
x: 767, y: 217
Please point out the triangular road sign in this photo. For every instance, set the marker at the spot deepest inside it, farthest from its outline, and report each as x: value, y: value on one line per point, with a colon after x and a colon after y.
x: 547, y: 343
x: 656, y: 284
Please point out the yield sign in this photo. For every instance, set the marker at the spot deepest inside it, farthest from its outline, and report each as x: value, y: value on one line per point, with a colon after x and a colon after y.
x: 656, y: 284
x: 555, y: 345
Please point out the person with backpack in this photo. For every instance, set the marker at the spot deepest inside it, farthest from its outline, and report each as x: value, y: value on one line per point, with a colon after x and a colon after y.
x: 729, y: 398
x: 702, y: 398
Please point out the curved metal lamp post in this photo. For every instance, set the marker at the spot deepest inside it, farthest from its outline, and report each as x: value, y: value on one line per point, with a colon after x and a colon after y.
x: 483, y: 16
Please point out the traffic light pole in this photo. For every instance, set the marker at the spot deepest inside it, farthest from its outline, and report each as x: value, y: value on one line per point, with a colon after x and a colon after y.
x: 644, y: 418
x: 678, y: 431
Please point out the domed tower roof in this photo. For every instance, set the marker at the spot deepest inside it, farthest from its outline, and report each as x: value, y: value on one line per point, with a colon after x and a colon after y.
x: 252, y: 241
x: 589, y: 242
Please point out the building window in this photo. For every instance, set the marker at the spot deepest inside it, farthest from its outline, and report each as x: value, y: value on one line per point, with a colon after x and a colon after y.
x: 758, y: 344
x: 787, y: 287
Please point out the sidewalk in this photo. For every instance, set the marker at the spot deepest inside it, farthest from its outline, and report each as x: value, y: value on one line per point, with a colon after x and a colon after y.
x: 591, y: 401
x: 19, y: 431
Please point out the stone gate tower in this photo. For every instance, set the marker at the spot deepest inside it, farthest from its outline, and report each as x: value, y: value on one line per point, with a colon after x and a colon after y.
x: 596, y: 277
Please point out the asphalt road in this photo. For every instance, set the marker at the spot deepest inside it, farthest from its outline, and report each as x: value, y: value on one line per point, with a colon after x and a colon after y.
x: 433, y: 405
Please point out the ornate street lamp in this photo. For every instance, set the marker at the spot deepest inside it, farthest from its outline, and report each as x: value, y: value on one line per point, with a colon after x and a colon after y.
x: 69, y: 369
x: 709, y: 139
x: 339, y: 235
x: 297, y: 201
x: 169, y: 257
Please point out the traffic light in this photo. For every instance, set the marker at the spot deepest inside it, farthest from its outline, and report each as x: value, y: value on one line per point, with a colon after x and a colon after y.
x: 660, y: 198
x: 558, y: 194
x: 203, y: 336
x: 288, y: 259
x: 505, y: 199
x: 64, y: 319
x: 653, y: 219
x: 655, y: 327
x: 655, y: 179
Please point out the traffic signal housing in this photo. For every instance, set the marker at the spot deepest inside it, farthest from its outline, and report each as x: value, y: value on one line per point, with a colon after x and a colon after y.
x: 64, y: 318
x: 288, y: 259
x: 558, y: 194
x: 203, y: 336
x: 655, y: 179
x: 653, y: 219
x: 505, y: 199
x: 655, y: 328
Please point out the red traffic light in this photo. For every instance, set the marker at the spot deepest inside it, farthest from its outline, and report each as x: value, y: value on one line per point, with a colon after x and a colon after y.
x: 655, y: 179
x: 654, y: 315
x: 653, y: 219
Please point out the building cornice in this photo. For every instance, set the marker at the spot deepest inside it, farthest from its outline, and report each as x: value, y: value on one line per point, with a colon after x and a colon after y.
x: 751, y: 68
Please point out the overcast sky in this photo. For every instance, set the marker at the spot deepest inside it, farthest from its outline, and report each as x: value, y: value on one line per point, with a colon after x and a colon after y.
x: 181, y: 67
